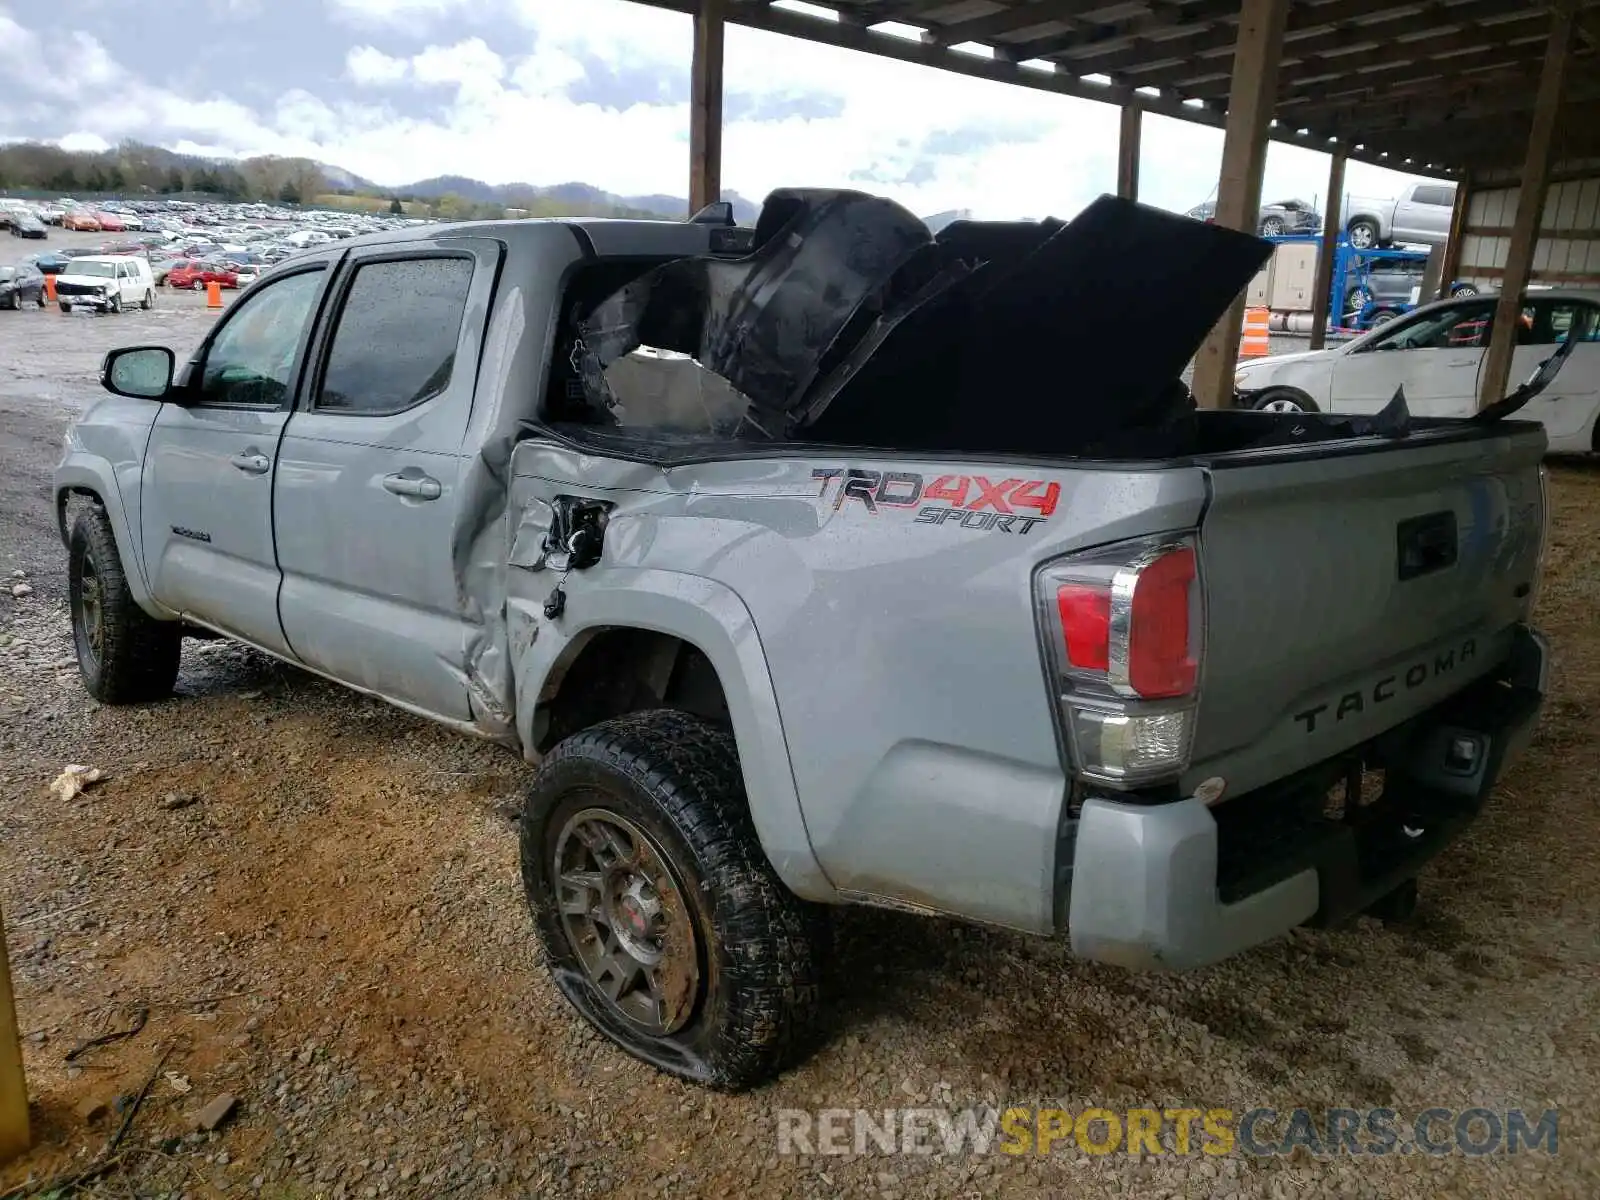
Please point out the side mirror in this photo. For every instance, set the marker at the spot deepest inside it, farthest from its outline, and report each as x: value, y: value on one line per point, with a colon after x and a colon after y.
x: 142, y: 372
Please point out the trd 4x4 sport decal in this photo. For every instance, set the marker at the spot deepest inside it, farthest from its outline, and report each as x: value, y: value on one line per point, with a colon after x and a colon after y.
x: 970, y: 501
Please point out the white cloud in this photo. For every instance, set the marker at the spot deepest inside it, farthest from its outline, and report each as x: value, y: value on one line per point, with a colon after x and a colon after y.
x: 91, y: 143
x: 494, y: 103
x: 371, y: 67
x: 468, y: 63
x: 399, y: 14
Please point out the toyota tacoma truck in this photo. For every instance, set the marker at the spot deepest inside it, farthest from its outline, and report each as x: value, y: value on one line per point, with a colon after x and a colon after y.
x: 829, y: 562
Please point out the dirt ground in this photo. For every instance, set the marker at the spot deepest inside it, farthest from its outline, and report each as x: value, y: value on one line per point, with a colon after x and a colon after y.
x: 310, y: 901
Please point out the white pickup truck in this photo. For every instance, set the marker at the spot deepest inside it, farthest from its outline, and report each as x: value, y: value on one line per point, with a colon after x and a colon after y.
x: 1421, y: 214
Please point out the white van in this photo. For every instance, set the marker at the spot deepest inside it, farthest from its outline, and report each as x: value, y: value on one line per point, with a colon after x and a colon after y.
x: 106, y: 282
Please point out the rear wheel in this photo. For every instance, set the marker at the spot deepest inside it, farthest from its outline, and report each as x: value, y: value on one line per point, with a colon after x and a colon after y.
x: 1363, y: 234
x: 124, y: 655
x: 662, y: 922
x: 1464, y: 289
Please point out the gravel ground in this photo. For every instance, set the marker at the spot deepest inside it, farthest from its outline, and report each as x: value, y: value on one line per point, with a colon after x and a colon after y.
x: 313, y: 899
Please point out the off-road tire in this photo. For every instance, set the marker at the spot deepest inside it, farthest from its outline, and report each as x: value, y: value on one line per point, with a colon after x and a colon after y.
x: 677, y: 778
x: 138, y: 658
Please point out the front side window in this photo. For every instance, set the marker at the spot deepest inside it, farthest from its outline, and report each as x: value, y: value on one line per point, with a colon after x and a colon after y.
x: 1459, y: 327
x: 395, y: 344
x: 251, y: 362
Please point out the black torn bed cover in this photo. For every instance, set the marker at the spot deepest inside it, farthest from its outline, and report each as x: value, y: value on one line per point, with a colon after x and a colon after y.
x: 850, y: 323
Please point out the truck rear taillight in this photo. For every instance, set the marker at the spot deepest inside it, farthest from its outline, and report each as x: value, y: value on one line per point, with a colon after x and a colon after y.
x: 1122, y: 629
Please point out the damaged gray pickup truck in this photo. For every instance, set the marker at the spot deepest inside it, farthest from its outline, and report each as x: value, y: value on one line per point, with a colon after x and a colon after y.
x: 831, y: 562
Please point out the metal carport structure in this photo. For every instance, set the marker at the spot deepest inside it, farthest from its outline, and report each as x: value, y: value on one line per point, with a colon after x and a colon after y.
x: 1488, y: 92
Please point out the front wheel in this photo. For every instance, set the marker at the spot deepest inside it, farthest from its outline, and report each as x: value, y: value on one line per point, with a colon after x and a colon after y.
x: 149, y: 300
x: 662, y: 922
x: 125, y: 655
x: 1463, y: 289
x: 116, y: 304
x: 1284, y: 400
x: 1272, y: 227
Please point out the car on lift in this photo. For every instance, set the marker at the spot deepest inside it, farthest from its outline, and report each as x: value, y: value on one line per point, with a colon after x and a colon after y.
x: 1275, y: 218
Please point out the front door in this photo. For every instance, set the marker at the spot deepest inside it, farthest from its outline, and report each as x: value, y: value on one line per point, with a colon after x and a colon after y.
x: 206, y: 518
x: 368, y: 491
x: 1434, y: 355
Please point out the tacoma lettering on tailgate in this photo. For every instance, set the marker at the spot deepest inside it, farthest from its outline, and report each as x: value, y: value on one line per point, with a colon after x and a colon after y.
x: 970, y: 501
x: 1383, y: 690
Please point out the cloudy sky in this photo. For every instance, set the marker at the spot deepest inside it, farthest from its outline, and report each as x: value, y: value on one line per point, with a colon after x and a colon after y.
x: 547, y: 91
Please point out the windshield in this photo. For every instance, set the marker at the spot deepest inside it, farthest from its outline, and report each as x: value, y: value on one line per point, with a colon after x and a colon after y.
x: 99, y: 270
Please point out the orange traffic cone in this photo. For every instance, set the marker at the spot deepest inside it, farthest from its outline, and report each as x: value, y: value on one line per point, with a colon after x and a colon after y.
x: 50, y: 288
x: 1253, y: 342
x: 214, y: 295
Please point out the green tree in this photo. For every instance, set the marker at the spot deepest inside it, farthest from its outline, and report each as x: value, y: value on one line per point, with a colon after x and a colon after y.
x: 174, y: 181
x: 289, y: 193
x: 396, y: 209
x: 115, y: 180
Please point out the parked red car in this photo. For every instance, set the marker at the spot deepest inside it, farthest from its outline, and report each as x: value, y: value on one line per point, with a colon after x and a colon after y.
x: 197, y: 275
x: 110, y: 223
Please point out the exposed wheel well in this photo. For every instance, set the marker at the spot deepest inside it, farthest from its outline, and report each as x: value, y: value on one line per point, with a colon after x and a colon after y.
x: 64, y: 501
x: 619, y: 671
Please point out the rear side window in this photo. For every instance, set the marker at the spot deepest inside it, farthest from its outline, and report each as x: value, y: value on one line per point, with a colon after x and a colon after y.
x: 1434, y: 195
x: 395, y: 344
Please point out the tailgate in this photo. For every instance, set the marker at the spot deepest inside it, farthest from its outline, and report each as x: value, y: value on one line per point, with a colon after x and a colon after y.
x: 1347, y: 594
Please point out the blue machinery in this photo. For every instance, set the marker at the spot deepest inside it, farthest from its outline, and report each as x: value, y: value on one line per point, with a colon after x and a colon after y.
x: 1351, y: 268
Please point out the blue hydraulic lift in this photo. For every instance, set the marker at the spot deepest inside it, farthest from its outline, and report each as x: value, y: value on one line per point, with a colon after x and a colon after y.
x: 1351, y: 267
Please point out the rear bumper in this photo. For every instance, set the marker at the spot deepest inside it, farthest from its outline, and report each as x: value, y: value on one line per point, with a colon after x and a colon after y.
x: 1182, y: 885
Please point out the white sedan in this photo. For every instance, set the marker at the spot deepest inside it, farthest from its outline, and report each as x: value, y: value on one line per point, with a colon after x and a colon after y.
x: 1437, y: 352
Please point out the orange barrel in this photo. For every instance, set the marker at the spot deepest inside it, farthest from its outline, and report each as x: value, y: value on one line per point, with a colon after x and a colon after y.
x: 1253, y: 342
x: 214, y: 295
x: 50, y: 288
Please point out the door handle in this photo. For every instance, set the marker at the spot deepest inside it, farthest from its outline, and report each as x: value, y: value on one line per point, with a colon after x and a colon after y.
x: 413, y: 487
x: 252, y: 464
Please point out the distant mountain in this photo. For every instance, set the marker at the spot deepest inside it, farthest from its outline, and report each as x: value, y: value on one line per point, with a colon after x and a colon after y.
x: 583, y: 198
x: 338, y: 178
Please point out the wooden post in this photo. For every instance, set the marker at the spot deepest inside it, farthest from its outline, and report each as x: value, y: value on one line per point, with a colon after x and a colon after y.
x: 1451, y: 266
x: 1530, y: 208
x: 1322, y: 298
x: 1256, y: 54
x: 705, y: 107
x: 13, y: 1088
x: 1128, y: 152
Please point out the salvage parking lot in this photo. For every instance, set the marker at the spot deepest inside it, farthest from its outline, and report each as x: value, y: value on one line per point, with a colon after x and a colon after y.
x: 312, y: 899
